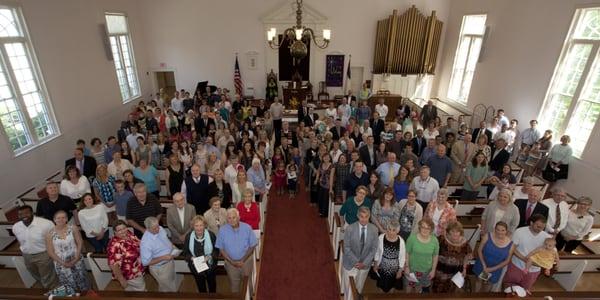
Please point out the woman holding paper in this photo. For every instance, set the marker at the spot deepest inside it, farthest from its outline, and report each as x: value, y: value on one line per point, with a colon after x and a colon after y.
x: 201, y: 255
x: 454, y: 256
x: 422, y: 250
x: 494, y: 253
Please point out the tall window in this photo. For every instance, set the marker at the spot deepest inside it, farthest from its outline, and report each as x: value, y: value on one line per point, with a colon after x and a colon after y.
x: 120, y: 44
x: 572, y: 102
x: 465, y: 59
x: 25, y: 111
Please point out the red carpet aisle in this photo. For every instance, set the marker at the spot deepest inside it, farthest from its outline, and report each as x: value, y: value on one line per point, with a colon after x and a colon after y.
x: 297, y: 258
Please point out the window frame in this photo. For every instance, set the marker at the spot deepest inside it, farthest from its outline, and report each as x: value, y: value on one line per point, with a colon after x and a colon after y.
x: 593, y: 57
x: 129, y: 39
x: 472, y: 38
x: 12, y: 82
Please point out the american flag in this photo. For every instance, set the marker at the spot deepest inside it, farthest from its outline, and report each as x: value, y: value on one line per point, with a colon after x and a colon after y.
x: 237, y: 78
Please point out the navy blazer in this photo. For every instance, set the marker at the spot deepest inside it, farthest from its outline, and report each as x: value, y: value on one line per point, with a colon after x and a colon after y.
x: 538, y: 209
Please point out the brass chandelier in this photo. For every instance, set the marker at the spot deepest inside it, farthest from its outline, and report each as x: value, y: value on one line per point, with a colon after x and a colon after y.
x: 295, y: 36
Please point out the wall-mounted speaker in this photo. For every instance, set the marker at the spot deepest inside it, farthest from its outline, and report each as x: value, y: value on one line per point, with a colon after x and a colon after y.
x: 483, y: 44
x: 105, y: 41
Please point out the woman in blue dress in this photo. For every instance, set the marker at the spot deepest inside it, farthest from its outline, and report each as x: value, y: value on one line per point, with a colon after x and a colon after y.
x: 494, y: 253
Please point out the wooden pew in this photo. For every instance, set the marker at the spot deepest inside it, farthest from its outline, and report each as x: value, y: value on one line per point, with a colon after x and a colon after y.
x: 18, y: 293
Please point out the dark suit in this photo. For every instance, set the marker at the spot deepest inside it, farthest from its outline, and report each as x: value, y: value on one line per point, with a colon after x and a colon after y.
x: 497, y: 162
x: 476, y: 131
x: 428, y: 114
x: 203, y: 125
x: 303, y: 112
x: 213, y: 191
x: 405, y: 109
x: 377, y: 127
x: 336, y: 135
x: 416, y: 149
x: 363, y: 152
x: 350, y: 98
x: 538, y: 209
x: 89, y: 165
x: 309, y: 121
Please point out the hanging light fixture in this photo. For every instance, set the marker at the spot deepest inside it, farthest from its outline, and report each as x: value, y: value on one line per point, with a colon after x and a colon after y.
x: 295, y: 36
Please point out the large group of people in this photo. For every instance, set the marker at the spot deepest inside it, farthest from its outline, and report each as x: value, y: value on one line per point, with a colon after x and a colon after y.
x: 221, y: 156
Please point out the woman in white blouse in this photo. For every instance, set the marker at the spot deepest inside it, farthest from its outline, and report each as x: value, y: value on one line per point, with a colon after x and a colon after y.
x: 579, y: 224
x: 74, y: 185
x: 431, y: 131
x: 239, y: 186
x: 94, y: 222
x: 558, y: 160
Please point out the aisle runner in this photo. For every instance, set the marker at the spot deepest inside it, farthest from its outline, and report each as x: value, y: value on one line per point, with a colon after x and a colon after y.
x: 297, y: 260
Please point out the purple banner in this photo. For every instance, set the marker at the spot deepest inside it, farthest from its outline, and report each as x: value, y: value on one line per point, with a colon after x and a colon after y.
x: 334, y: 74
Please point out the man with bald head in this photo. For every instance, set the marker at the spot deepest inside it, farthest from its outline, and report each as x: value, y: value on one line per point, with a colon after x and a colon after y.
x: 531, y: 206
x: 178, y: 219
x: 440, y: 165
x: 236, y: 241
x: 195, y: 189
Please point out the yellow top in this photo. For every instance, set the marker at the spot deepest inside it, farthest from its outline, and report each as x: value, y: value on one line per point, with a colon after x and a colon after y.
x: 544, y: 258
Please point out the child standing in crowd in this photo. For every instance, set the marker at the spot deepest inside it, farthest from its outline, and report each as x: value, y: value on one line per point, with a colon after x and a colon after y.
x: 296, y: 158
x: 278, y: 157
x: 280, y: 177
x: 121, y: 198
x: 292, y: 178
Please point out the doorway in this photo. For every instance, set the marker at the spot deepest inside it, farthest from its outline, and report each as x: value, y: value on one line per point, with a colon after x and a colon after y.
x: 165, y: 80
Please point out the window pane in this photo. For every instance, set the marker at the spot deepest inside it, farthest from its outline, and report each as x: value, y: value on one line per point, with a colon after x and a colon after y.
x: 572, y: 68
x: 474, y: 24
x: 589, y: 25
x: 8, y: 24
x: 125, y: 66
x: 458, y: 69
x: 116, y: 24
x: 581, y: 125
x: 470, y: 68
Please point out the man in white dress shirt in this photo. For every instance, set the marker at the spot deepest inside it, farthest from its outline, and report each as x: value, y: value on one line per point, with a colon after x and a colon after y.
x: 381, y: 108
x: 558, y: 211
x: 31, y: 233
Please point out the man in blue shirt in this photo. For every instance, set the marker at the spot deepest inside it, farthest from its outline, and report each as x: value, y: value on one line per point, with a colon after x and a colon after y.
x: 355, y: 179
x: 441, y: 166
x: 256, y: 175
x: 156, y: 252
x: 236, y: 241
x: 388, y: 170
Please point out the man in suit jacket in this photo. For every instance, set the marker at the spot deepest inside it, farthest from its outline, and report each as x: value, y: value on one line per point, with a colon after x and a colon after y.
x: 477, y: 132
x: 367, y: 154
x: 378, y: 126
x: 500, y: 155
x: 338, y: 130
x: 428, y: 113
x: 350, y: 96
x: 418, y: 143
x: 531, y: 206
x: 202, y: 124
x: 461, y: 154
x: 360, y: 245
x: 309, y: 119
x: 178, y: 219
x: 85, y: 164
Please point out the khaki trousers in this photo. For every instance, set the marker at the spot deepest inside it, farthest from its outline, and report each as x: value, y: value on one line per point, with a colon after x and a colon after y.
x: 236, y: 274
x: 136, y: 284
x: 165, y: 276
x: 41, y: 268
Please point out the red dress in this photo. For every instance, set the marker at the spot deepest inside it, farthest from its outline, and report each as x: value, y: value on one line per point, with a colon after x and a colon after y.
x: 250, y: 216
x: 279, y: 179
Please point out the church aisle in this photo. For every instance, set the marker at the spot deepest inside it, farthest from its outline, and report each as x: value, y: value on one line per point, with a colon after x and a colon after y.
x: 297, y: 258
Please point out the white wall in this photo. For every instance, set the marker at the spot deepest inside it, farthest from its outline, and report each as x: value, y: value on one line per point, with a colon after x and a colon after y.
x: 199, y: 39
x: 81, y: 82
x: 523, y: 46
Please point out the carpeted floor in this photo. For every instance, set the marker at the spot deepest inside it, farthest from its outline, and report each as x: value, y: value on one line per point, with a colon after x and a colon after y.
x: 297, y: 258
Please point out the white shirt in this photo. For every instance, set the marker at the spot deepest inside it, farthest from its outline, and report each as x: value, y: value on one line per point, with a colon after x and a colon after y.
x: 426, y: 189
x: 32, y: 238
x: 382, y: 109
x: 564, y: 214
x: 526, y: 242
x: 578, y: 226
x: 430, y: 134
x: 117, y: 170
x: 181, y: 214
x: 75, y: 191
x: 436, y: 216
x: 177, y: 105
x: 331, y: 112
x: 132, y: 140
x: 93, y: 219
x: 230, y: 174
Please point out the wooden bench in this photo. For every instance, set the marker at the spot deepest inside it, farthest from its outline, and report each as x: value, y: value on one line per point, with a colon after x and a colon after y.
x: 19, y: 293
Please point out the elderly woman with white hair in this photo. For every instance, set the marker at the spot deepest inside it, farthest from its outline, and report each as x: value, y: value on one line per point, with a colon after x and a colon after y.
x: 156, y: 251
x: 390, y: 257
x: 256, y: 175
x: 440, y: 212
x: 502, y: 209
x: 579, y: 224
